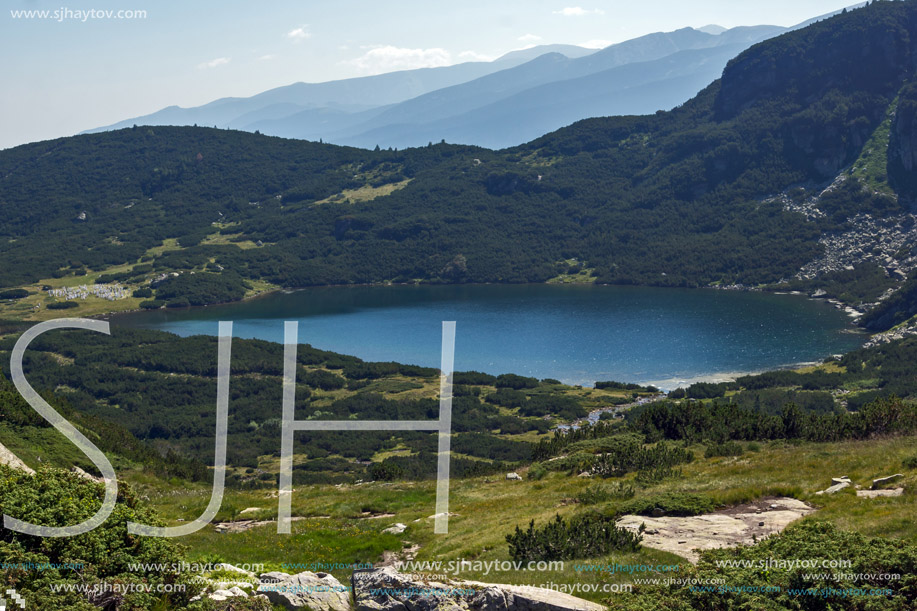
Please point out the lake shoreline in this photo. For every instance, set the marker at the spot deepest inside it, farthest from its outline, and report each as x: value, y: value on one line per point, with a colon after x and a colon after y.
x: 837, y: 303
x: 581, y: 334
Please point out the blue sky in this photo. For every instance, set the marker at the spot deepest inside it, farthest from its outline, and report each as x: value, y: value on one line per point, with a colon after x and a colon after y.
x: 61, y: 76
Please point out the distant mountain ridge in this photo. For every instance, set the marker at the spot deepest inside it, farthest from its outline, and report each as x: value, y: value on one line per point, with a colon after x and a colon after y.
x: 628, y: 89
x: 347, y: 95
x: 413, y: 107
x: 493, y: 104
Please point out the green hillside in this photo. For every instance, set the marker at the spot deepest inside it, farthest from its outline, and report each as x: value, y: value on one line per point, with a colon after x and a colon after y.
x: 670, y: 199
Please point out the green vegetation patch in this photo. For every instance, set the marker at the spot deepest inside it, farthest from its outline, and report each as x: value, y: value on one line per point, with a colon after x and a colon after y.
x: 584, y: 536
x: 670, y: 504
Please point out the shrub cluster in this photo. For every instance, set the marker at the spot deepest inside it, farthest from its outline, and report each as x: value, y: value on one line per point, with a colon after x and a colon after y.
x: 584, y: 536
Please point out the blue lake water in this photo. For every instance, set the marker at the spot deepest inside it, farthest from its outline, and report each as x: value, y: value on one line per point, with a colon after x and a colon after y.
x: 578, y: 334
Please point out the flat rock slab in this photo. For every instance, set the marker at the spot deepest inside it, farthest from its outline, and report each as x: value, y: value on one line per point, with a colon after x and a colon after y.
x: 732, y: 526
x: 386, y: 589
x: 871, y: 494
x: 505, y: 596
x: 240, y: 526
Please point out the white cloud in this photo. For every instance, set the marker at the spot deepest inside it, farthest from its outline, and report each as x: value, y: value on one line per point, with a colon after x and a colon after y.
x: 578, y: 11
x: 299, y: 34
x: 596, y: 44
x: 474, y: 56
x: 267, y: 58
x: 213, y: 63
x: 529, y: 38
x: 388, y: 58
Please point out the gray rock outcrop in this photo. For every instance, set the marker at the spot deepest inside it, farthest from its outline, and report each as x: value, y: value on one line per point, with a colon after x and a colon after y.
x: 884, y: 481
x: 739, y: 525
x: 11, y: 460
x: 388, y: 590
x: 837, y: 484
x: 315, y: 591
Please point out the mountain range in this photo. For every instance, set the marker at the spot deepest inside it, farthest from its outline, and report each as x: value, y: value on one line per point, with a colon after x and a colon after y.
x: 497, y: 104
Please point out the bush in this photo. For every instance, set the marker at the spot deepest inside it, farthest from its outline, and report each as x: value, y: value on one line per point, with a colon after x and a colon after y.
x: 155, y: 304
x: 654, y: 475
x: 385, y: 471
x: 325, y: 380
x: 54, y: 498
x: 671, y: 504
x: 14, y: 294
x: 473, y: 378
x: 617, y: 386
x: 506, y: 397
x: 516, y: 382
x: 910, y: 462
x: 629, y: 457
x: 708, y: 390
x: 601, y: 493
x: 562, y: 406
x: 729, y: 448
x: 574, y: 463
x: 144, y: 293
x: 584, y: 536
x: 63, y: 305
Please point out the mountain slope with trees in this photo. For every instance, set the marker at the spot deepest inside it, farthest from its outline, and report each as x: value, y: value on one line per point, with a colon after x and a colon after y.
x: 672, y: 199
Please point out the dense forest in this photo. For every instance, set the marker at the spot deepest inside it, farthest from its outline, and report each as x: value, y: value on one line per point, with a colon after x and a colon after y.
x: 676, y: 199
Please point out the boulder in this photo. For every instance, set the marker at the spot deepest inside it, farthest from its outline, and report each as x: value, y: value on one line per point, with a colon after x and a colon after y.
x: 315, y: 591
x: 883, y: 481
x: 513, y: 476
x: 837, y: 484
x: 395, y: 529
x: 11, y: 460
x: 221, y: 595
x: 834, y: 489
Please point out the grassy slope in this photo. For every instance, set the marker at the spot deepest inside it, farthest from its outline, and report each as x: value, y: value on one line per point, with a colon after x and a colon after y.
x: 489, y: 508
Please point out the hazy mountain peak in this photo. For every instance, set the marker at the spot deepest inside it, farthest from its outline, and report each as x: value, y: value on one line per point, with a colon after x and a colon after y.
x: 713, y: 29
x: 571, y: 51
